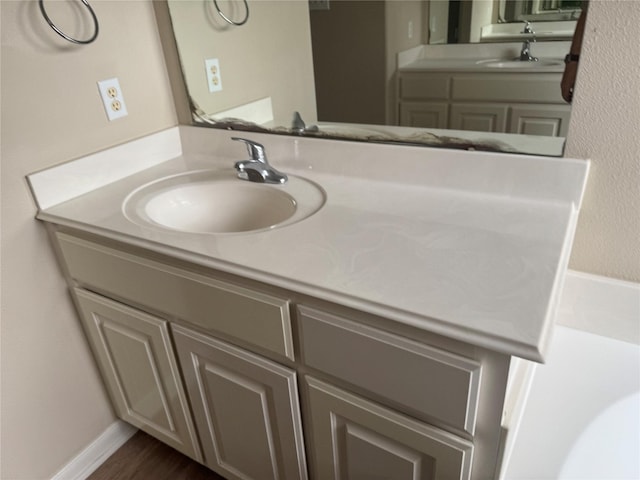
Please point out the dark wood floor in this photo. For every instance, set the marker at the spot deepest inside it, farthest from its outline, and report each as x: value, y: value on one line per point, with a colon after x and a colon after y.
x: 145, y: 458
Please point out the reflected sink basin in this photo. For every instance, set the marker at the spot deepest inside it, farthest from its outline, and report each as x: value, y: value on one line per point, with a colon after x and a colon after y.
x: 217, y: 202
x: 518, y: 64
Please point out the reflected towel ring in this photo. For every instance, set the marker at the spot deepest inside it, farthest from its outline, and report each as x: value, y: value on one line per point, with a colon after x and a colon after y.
x: 64, y: 35
x: 227, y: 19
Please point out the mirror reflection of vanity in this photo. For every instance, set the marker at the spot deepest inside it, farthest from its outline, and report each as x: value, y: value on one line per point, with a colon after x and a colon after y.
x: 381, y: 70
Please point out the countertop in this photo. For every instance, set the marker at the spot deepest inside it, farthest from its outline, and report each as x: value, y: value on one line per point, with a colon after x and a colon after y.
x: 482, y: 65
x: 458, y: 243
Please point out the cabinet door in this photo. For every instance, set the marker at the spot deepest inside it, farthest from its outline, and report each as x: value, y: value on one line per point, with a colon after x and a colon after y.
x: 479, y: 118
x: 547, y: 120
x: 424, y: 114
x: 133, y: 351
x: 355, y: 439
x: 246, y: 408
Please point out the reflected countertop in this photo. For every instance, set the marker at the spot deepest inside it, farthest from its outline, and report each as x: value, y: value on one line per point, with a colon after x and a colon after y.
x: 486, y: 65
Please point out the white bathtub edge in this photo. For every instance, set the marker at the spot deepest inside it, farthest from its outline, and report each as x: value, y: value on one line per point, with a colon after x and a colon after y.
x: 601, y: 305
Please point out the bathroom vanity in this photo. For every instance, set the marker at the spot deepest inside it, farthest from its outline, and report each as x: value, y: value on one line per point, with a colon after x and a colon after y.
x: 488, y: 95
x: 375, y: 336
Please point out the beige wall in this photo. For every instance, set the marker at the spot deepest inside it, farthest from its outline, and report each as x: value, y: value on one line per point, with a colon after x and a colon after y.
x: 605, y: 127
x: 53, y: 404
x: 281, y: 31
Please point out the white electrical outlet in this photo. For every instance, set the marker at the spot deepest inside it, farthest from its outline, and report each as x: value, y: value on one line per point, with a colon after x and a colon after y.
x: 112, y: 98
x: 214, y: 80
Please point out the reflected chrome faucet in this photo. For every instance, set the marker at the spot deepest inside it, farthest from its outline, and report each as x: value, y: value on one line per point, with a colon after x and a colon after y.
x: 527, y: 28
x: 298, y: 126
x: 525, y: 53
x: 257, y: 168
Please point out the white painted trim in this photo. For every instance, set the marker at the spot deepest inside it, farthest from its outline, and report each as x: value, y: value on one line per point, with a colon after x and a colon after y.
x: 95, y: 454
x: 601, y: 305
x: 72, y: 179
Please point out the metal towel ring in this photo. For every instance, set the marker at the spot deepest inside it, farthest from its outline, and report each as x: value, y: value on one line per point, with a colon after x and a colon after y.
x: 64, y: 35
x: 227, y: 19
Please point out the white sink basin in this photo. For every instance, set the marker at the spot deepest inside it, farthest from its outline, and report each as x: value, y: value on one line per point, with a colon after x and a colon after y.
x: 517, y: 64
x: 217, y: 202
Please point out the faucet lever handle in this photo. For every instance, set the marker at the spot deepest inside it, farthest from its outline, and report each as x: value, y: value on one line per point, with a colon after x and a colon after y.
x: 256, y: 150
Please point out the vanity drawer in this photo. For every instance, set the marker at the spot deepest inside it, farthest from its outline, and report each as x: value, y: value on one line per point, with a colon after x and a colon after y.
x: 538, y: 88
x: 417, y: 86
x: 427, y: 382
x: 259, y: 319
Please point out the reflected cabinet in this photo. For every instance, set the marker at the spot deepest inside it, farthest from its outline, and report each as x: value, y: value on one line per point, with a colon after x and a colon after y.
x: 521, y: 103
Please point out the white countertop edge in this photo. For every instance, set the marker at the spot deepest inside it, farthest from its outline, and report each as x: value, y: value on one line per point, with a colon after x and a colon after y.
x: 546, y: 335
x: 77, y: 177
x: 433, y: 325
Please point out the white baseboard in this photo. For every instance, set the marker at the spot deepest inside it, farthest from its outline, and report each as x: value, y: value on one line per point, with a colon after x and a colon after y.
x: 94, y: 455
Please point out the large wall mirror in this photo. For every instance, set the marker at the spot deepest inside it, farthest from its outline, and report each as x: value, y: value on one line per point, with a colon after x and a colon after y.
x: 433, y: 72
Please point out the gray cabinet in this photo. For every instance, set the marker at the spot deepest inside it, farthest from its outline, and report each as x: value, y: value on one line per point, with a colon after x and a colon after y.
x: 548, y: 120
x: 402, y: 407
x: 246, y: 409
x: 479, y: 117
x: 214, y: 372
x: 424, y: 114
x: 524, y: 103
x: 356, y: 439
x: 134, y: 353
x: 221, y: 307
x: 427, y: 382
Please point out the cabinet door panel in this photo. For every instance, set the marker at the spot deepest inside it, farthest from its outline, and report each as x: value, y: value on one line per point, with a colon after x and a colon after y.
x: 371, y: 455
x: 355, y: 439
x: 424, y: 114
x: 134, y: 354
x: 548, y: 120
x: 246, y: 408
x: 480, y: 118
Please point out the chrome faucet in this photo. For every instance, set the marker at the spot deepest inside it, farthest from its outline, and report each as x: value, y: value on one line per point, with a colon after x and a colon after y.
x: 525, y: 53
x: 257, y: 168
x: 298, y: 126
x: 527, y: 28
